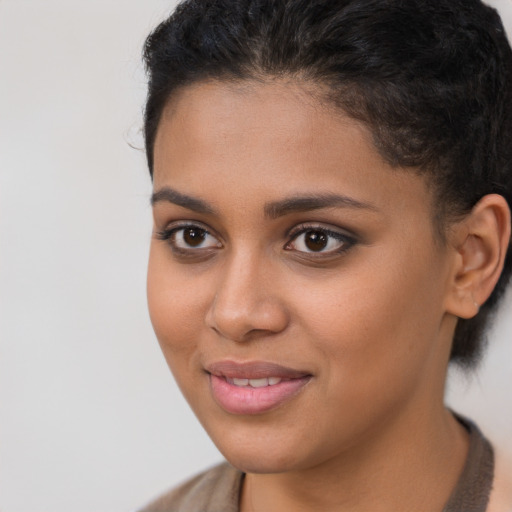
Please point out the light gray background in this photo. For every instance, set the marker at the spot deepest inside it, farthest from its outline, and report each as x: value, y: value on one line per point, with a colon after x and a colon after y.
x: 90, y: 418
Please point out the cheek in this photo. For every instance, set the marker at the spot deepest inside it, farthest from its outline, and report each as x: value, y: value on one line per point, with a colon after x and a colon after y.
x: 175, y: 308
x: 376, y: 324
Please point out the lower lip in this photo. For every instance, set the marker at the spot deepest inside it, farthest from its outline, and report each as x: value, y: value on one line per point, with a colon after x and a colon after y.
x: 248, y: 400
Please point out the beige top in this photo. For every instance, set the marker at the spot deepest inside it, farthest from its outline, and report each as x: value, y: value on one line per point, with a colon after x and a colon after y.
x: 218, y: 489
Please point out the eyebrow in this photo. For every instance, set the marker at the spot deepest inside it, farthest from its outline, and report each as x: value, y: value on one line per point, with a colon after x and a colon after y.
x: 272, y: 210
x: 190, y: 203
x: 316, y: 202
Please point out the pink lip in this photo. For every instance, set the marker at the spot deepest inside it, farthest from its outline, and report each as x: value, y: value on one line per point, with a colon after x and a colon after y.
x: 248, y: 400
x: 253, y: 370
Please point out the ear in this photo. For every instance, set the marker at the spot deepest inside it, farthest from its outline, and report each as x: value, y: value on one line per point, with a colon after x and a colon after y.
x: 480, y: 241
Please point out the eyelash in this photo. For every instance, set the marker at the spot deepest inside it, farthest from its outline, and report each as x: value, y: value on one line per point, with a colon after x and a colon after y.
x: 347, y: 241
x: 168, y: 235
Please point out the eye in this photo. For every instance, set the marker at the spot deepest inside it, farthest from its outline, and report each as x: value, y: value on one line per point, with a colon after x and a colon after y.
x: 194, y: 237
x: 312, y: 239
x: 189, y: 238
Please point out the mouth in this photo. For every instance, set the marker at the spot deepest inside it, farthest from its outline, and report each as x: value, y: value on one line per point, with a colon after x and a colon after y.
x: 254, y: 383
x: 254, y: 387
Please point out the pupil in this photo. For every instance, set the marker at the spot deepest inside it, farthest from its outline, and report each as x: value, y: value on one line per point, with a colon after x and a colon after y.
x: 316, y: 240
x: 194, y: 236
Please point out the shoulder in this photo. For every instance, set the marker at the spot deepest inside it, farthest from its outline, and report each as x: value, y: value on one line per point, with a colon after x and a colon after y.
x: 488, y: 472
x: 501, y: 494
x: 214, y: 490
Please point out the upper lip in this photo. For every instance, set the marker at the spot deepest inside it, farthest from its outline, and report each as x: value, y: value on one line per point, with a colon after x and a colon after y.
x: 253, y: 370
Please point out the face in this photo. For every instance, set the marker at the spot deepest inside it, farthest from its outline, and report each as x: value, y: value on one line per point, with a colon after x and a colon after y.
x: 295, y: 284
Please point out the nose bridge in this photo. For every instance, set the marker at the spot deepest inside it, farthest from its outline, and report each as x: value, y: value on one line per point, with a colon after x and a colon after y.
x: 245, y: 301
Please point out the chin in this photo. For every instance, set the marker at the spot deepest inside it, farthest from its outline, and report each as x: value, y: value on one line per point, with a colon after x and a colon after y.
x: 256, y: 463
x: 260, y: 451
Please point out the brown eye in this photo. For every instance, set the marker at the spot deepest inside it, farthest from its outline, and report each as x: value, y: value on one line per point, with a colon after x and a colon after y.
x: 190, y: 238
x: 194, y: 237
x: 315, y: 240
x: 319, y: 240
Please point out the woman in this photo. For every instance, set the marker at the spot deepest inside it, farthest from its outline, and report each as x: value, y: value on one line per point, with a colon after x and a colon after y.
x: 332, y: 183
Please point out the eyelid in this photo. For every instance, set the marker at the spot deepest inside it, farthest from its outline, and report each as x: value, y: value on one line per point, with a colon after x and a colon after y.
x: 187, y: 223
x: 347, y: 239
x: 167, y: 233
x: 327, y: 228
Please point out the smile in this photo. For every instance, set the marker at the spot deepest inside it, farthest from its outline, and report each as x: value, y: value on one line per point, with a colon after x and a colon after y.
x: 255, y: 383
x: 255, y: 387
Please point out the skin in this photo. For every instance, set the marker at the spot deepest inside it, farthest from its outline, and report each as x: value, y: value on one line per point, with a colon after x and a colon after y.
x: 371, y: 319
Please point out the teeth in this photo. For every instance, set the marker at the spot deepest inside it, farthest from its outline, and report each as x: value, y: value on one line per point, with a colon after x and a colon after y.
x: 240, y: 382
x: 255, y: 383
x: 258, y: 383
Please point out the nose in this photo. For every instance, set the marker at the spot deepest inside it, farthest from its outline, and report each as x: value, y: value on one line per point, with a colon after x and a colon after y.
x: 246, y: 304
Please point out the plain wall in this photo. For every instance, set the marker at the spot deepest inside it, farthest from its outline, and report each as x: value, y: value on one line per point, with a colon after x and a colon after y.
x: 90, y: 418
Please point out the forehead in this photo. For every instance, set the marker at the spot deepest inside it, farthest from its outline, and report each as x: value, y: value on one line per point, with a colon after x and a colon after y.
x: 279, y: 138
x: 214, y: 112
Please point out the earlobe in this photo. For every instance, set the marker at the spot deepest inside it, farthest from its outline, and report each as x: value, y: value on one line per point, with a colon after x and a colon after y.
x: 480, y: 241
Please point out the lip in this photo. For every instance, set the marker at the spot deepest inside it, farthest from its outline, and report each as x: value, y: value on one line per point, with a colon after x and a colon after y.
x: 253, y: 370
x: 248, y: 400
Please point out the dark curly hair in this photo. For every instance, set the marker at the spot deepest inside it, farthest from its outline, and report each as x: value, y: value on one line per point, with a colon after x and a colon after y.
x: 432, y: 80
